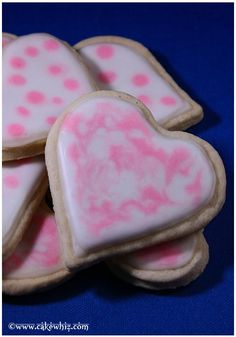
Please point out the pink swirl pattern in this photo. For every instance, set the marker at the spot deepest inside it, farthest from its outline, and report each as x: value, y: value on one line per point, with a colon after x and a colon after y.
x: 121, y: 179
x: 39, y: 252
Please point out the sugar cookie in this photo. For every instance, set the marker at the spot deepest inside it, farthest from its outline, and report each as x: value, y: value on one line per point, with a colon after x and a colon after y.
x: 122, y: 64
x: 37, y: 262
x: 164, y: 266
x: 41, y: 76
x: 120, y: 182
x: 24, y: 185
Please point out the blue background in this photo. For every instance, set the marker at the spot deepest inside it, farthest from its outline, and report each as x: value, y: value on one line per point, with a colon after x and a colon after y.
x: 194, y: 42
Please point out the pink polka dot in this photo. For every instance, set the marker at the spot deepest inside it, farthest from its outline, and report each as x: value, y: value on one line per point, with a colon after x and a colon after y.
x: 11, y: 181
x: 71, y: 84
x: 35, y: 97
x: 22, y: 111
x: 51, y: 45
x: 107, y: 77
x: 16, y: 130
x: 31, y: 51
x: 145, y: 99
x: 140, y: 80
x: 57, y: 100
x: 105, y: 51
x: 17, y: 62
x: 54, y: 69
x: 168, y: 100
x: 17, y: 80
x: 51, y: 120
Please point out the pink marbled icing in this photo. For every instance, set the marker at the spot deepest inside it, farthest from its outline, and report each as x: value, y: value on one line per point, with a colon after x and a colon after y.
x: 20, y: 181
x: 121, y: 178
x: 38, y: 253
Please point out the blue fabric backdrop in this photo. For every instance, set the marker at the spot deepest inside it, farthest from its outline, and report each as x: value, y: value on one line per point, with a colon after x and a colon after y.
x: 194, y: 42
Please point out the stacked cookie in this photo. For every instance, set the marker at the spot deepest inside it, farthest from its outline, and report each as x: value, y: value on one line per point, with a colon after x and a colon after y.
x: 124, y: 188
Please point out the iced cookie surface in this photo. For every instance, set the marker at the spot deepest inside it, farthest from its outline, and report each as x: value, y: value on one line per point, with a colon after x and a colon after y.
x: 38, y: 254
x: 125, y: 65
x: 37, y: 262
x: 24, y: 183
x: 41, y: 76
x: 121, y: 178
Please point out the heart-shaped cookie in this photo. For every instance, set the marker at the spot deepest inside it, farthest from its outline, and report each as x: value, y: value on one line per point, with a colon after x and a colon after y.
x: 122, y: 64
x: 36, y: 263
x: 7, y: 38
x: 24, y: 185
x: 41, y: 76
x: 168, y: 265
x: 120, y: 182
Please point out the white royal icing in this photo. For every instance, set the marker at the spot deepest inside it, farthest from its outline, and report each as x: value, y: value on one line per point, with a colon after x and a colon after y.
x: 38, y: 254
x: 41, y: 76
x: 21, y: 179
x: 119, y: 67
x: 121, y: 179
